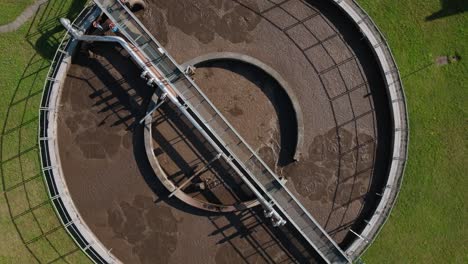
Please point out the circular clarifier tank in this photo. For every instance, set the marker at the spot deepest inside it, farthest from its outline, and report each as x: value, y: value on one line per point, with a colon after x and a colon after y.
x: 294, y: 78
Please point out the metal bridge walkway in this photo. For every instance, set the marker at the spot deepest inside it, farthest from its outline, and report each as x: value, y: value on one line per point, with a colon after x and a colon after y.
x: 160, y: 69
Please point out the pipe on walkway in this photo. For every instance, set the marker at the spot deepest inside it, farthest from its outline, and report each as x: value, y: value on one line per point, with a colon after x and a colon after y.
x: 78, y: 35
x: 134, y: 4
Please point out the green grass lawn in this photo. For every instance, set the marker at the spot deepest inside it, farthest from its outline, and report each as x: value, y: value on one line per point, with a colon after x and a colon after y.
x: 10, y: 9
x: 30, y: 230
x: 429, y: 222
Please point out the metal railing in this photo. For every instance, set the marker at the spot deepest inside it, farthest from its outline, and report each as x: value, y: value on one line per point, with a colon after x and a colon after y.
x: 56, y: 186
x: 397, y: 102
x: 183, y: 92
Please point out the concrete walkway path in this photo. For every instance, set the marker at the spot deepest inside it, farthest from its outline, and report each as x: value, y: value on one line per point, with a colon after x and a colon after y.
x: 21, y: 19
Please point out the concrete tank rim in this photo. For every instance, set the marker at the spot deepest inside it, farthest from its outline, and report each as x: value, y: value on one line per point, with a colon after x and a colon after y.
x: 170, y: 186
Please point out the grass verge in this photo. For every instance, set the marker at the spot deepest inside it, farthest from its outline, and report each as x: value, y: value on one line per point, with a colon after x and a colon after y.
x: 31, y: 231
x: 10, y: 9
x: 428, y: 224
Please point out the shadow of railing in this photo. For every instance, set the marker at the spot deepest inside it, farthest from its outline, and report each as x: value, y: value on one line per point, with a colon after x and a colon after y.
x: 225, y: 181
x: 45, y: 32
x: 29, y: 206
x: 254, y: 240
x: 276, y: 95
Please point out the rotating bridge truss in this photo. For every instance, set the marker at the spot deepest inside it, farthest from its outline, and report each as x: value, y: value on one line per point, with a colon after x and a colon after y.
x: 161, y: 71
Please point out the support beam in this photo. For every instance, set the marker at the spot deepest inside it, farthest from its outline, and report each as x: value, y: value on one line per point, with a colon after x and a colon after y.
x: 195, y: 175
x: 359, y: 236
x: 162, y: 100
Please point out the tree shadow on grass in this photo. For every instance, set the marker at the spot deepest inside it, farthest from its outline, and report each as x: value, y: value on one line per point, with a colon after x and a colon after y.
x: 449, y: 8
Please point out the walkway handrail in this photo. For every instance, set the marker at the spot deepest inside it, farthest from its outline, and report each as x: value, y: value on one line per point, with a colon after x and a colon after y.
x: 397, y: 102
x: 50, y: 161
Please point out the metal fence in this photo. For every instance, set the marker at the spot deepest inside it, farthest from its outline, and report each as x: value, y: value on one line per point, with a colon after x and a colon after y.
x: 397, y: 102
x: 51, y: 169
